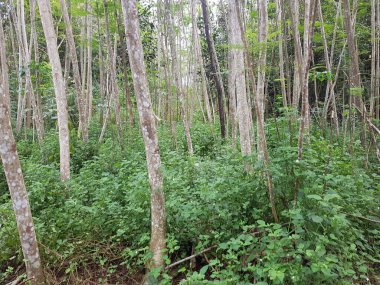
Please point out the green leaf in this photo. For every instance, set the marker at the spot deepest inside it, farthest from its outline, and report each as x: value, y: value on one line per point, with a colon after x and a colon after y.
x: 316, y: 219
x: 316, y: 197
x: 261, y: 222
x: 203, y: 270
x: 328, y: 197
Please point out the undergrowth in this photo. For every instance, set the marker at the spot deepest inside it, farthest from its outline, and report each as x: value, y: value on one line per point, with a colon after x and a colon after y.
x: 97, y: 226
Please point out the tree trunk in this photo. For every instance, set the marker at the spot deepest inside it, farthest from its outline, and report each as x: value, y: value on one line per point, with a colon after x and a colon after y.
x: 25, y: 58
x: 281, y: 54
x: 237, y: 79
x: 115, y: 93
x: 77, y: 77
x: 177, y: 76
x: 199, y: 61
x: 260, y: 126
x: 330, y: 87
x: 148, y: 128
x: 214, y: 67
x: 59, y: 87
x: 297, y: 83
x: 310, y: 6
x: 124, y: 60
x: 89, y: 66
x: 356, y: 91
x: 260, y: 90
x: 15, y: 179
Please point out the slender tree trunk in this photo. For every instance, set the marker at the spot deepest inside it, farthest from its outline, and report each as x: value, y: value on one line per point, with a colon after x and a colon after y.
x: 329, y: 87
x: 77, y: 77
x: 177, y: 76
x: 124, y: 60
x: 260, y: 127
x: 215, y: 69
x: 89, y: 66
x: 237, y: 79
x: 101, y: 71
x: 148, y: 128
x: 232, y: 66
x: 377, y: 93
x: 25, y: 58
x: 373, y: 58
x: 260, y: 90
x: 297, y: 83
x: 15, y: 179
x: 199, y: 61
x: 59, y: 87
x: 4, y: 68
x: 310, y: 7
x: 355, y: 81
x: 115, y: 93
x: 281, y: 54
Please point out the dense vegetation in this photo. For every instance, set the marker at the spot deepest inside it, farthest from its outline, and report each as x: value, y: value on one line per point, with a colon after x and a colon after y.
x: 97, y: 225
x: 266, y: 114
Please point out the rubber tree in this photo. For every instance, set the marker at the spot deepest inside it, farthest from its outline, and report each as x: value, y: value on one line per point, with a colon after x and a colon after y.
x: 215, y: 67
x: 59, y: 87
x: 15, y: 178
x: 149, y: 132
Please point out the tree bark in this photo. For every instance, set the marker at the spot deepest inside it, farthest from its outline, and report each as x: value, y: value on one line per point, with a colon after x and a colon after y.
x: 115, y: 93
x: 281, y: 53
x: 59, y: 87
x: 297, y: 83
x: 77, y: 77
x: 89, y: 92
x: 15, y: 179
x: 148, y: 128
x: 199, y: 61
x: 25, y: 58
x: 260, y: 126
x: 310, y: 7
x: 177, y: 76
x: 215, y: 69
x: 260, y: 90
x: 124, y: 60
x: 237, y: 79
x: 356, y: 91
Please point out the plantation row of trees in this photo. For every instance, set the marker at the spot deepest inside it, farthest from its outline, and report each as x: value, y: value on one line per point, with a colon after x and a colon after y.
x: 79, y: 66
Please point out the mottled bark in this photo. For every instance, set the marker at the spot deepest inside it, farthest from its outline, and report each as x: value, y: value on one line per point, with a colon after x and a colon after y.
x: 15, y: 179
x: 237, y: 82
x: 59, y: 87
x: 4, y: 66
x: 148, y: 128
